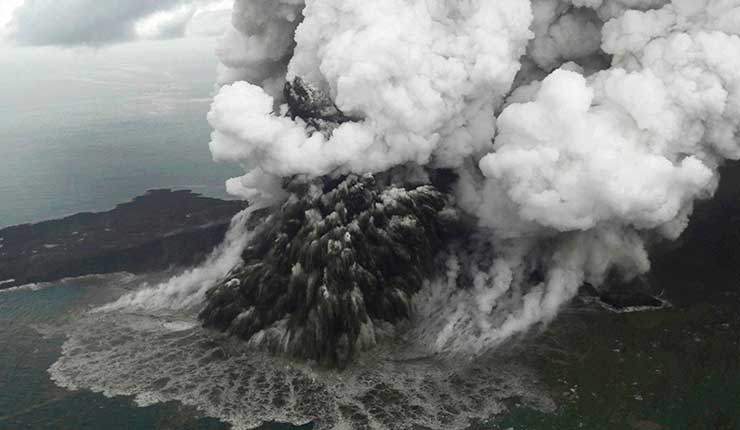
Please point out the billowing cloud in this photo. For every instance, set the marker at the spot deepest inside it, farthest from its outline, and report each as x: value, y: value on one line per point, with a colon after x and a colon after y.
x: 7, y: 9
x: 209, y: 21
x: 424, y: 77
x: 579, y: 129
x: 95, y: 23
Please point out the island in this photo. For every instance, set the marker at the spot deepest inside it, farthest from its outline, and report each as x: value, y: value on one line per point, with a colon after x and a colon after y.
x: 159, y: 230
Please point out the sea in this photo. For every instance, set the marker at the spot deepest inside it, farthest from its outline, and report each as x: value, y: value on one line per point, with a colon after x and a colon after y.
x: 30, y: 400
x: 87, y: 128
x: 82, y: 130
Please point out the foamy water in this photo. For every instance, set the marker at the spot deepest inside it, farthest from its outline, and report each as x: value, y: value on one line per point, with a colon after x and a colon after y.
x: 149, y: 344
x: 166, y: 356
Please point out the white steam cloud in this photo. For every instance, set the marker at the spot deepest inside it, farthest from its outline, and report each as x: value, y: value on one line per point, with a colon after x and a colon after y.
x: 423, y: 76
x: 577, y: 127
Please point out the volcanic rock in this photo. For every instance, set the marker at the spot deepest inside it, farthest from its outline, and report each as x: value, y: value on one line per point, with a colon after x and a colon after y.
x: 312, y: 105
x: 339, y: 258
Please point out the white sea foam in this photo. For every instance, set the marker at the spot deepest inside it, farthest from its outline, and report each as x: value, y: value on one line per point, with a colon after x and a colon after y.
x: 25, y: 287
x: 164, y: 356
x: 119, y: 278
x: 149, y: 345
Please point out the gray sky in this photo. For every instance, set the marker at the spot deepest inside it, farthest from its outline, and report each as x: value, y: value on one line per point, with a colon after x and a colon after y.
x: 71, y: 23
x: 95, y: 40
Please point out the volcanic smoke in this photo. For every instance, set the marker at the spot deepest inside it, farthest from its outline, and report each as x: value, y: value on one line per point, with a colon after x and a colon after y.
x: 465, y: 165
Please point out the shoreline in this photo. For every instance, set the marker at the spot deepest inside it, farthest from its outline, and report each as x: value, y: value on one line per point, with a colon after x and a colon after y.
x: 158, y: 230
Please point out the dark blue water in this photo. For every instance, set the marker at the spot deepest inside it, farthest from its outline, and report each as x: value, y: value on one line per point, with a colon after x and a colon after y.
x: 82, y: 130
x: 30, y: 400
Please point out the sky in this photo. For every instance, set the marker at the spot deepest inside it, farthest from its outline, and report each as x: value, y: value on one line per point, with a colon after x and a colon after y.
x: 92, y: 23
x: 57, y: 32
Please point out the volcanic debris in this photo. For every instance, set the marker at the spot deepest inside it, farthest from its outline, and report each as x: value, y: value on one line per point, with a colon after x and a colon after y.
x: 337, y: 258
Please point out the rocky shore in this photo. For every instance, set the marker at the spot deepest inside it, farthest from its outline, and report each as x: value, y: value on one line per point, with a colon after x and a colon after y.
x: 158, y: 230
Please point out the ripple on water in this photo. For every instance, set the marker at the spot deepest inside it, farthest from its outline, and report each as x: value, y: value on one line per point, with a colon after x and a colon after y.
x: 159, y: 357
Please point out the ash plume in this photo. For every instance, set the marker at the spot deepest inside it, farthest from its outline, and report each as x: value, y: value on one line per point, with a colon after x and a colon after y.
x: 569, y: 134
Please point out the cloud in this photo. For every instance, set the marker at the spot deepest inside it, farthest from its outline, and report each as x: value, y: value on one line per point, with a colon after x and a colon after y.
x: 620, y: 113
x: 96, y: 23
x: 208, y: 22
x: 433, y: 107
x: 166, y: 24
x: 7, y: 8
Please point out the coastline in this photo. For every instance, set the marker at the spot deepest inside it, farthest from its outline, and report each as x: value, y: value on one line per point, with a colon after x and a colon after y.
x: 158, y: 230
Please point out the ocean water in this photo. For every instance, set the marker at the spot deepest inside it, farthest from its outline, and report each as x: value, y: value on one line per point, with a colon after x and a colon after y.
x: 29, y: 399
x: 87, y: 129
x: 31, y: 343
x: 70, y: 364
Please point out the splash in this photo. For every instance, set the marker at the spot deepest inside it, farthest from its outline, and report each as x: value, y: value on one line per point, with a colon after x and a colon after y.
x: 166, y: 356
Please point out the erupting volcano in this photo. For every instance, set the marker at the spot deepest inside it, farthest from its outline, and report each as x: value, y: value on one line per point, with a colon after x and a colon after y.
x: 494, y: 156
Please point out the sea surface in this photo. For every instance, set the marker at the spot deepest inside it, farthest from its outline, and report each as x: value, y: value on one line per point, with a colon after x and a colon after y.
x: 87, y: 129
x: 29, y: 399
x: 68, y: 365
